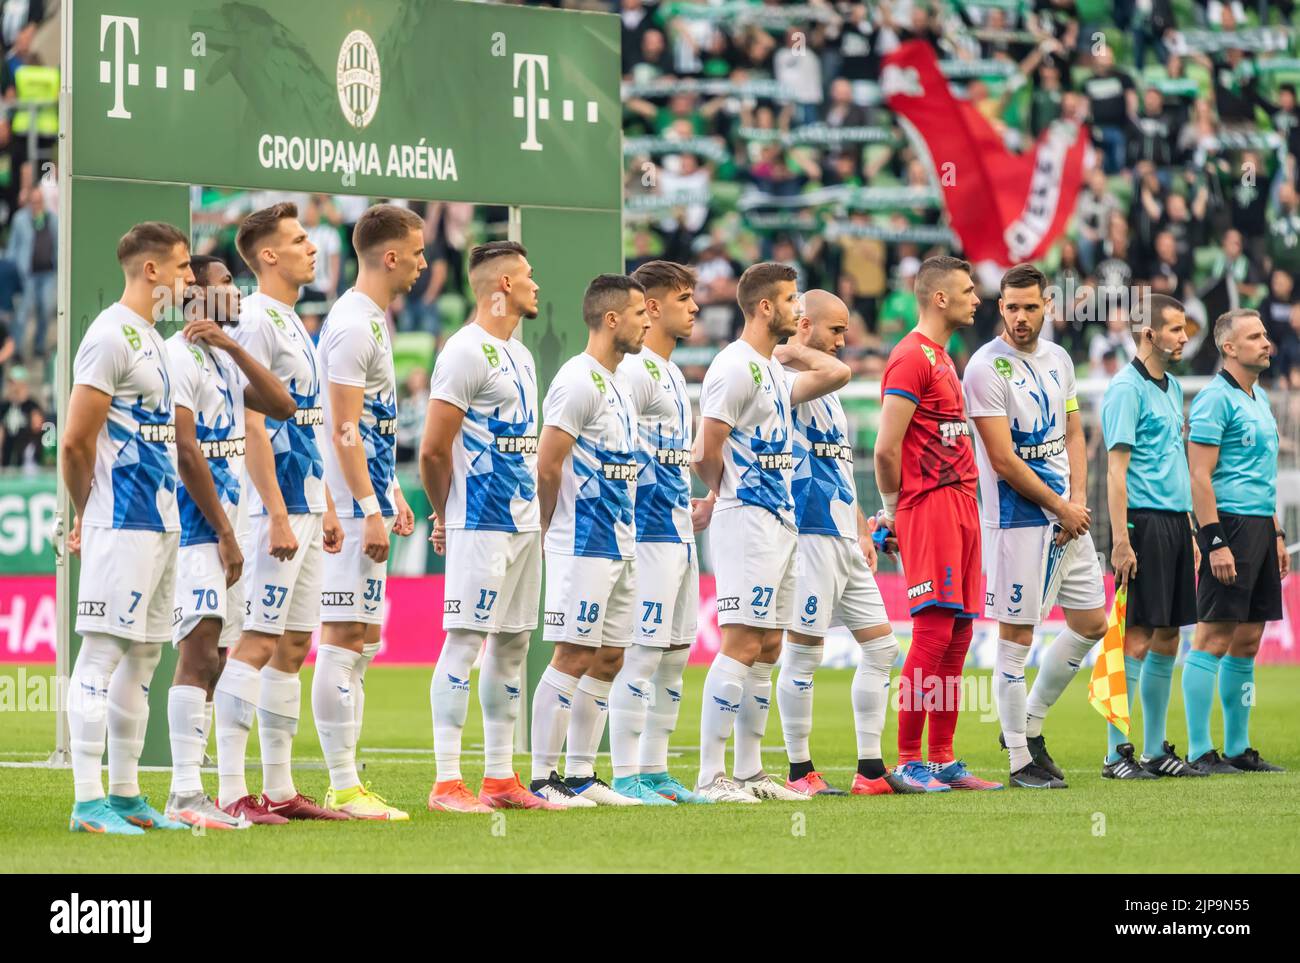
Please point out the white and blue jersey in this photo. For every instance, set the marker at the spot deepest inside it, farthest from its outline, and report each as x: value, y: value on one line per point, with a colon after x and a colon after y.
x: 751, y: 393
x: 825, y: 499
x: 354, y: 350
x: 1034, y: 392
x: 494, y: 455
x: 593, y: 515
x: 657, y: 392
x: 210, y: 385
x: 135, y: 454
x: 272, y: 333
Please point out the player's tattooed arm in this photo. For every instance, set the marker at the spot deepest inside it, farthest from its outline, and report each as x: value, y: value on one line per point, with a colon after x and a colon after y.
x: 822, y: 373
x: 1201, y: 462
x: 87, y: 412
x: 707, y: 458
x: 995, y: 433
x: 346, y: 402
x: 1122, y: 557
x: 196, y: 476
x: 442, y: 423
x: 552, y: 449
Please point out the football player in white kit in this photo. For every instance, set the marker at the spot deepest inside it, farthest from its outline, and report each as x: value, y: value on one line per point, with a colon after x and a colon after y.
x: 213, y: 379
x: 834, y: 580
x: 1033, y: 466
x: 478, y: 463
x: 647, y: 692
x: 355, y: 358
x: 744, y: 454
x: 292, y: 524
x: 119, y: 464
x: 586, y: 483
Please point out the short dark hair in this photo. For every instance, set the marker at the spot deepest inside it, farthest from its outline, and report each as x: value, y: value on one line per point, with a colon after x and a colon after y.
x: 665, y: 276
x: 1024, y: 276
x: 1287, y: 87
x: 200, y: 263
x: 494, y: 249
x: 384, y: 223
x: 154, y: 238
x: 759, y: 281
x: 258, y: 226
x: 1224, y: 322
x: 1153, y: 315
x: 932, y: 272
x: 607, y: 292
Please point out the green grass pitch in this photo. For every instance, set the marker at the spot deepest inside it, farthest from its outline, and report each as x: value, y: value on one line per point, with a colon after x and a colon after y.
x: 1222, y: 824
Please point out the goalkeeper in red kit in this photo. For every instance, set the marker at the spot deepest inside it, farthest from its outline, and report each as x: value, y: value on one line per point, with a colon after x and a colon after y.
x: 925, y: 468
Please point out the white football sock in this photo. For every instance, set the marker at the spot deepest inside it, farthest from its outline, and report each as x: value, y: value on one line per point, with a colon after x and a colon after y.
x: 279, y: 702
x: 629, y: 703
x: 1060, y: 664
x: 208, y: 711
x: 870, y: 693
x: 449, y: 697
x: 661, y: 715
x: 751, y: 721
x: 1009, y: 692
x: 724, y: 688
x: 552, y: 706
x: 794, y: 696
x: 334, y: 711
x: 500, y: 682
x: 88, y: 712
x: 368, y: 653
x: 586, y: 726
x: 234, y: 702
x: 185, y: 708
x: 128, y: 716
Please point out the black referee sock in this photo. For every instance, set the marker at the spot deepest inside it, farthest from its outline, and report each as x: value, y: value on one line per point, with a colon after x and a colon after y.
x: 871, y: 768
x: 800, y: 769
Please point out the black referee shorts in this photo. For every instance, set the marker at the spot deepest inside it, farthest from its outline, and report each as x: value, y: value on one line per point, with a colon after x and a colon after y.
x: 1256, y: 596
x: 1163, y: 593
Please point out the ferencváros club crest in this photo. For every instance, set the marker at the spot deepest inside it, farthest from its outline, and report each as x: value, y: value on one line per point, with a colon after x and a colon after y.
x: 358, y: 78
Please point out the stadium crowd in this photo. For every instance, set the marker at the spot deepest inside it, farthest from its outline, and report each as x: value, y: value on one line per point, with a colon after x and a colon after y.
x: 757, y: 130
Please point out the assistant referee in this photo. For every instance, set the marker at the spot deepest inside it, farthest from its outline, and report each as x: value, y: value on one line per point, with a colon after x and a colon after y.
x: 1233, y: 460
x: 1150, y: 498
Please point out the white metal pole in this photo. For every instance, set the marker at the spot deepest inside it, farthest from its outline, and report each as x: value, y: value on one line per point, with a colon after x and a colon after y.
x: 62, y: 515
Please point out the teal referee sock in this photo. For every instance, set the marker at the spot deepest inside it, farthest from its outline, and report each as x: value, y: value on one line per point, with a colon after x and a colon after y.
x: 1157, y: 683
x: 1200, y: 674
x: 1237, y: 694
x: 1132, y: 672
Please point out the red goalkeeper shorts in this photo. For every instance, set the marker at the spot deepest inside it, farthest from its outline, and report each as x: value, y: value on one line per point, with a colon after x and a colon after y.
x: 939, y: 539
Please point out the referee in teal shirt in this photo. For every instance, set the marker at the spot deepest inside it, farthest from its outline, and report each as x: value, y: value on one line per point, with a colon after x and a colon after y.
x: 1154, y: 553
x: 1233, y: 459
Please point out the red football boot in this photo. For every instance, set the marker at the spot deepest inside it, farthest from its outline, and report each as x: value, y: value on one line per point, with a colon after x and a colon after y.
x: 301, y: 807
x: 253, y: 808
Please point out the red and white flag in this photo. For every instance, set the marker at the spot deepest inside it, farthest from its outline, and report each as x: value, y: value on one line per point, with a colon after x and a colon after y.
x: 1004, y: 207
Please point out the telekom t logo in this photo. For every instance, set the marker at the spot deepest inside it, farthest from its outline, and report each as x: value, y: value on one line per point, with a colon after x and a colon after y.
x: 121, y: 74
x: 530, y: 106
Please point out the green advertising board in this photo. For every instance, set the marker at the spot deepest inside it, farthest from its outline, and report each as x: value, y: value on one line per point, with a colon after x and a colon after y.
x: 418, y: 99
x: 28, y: 506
